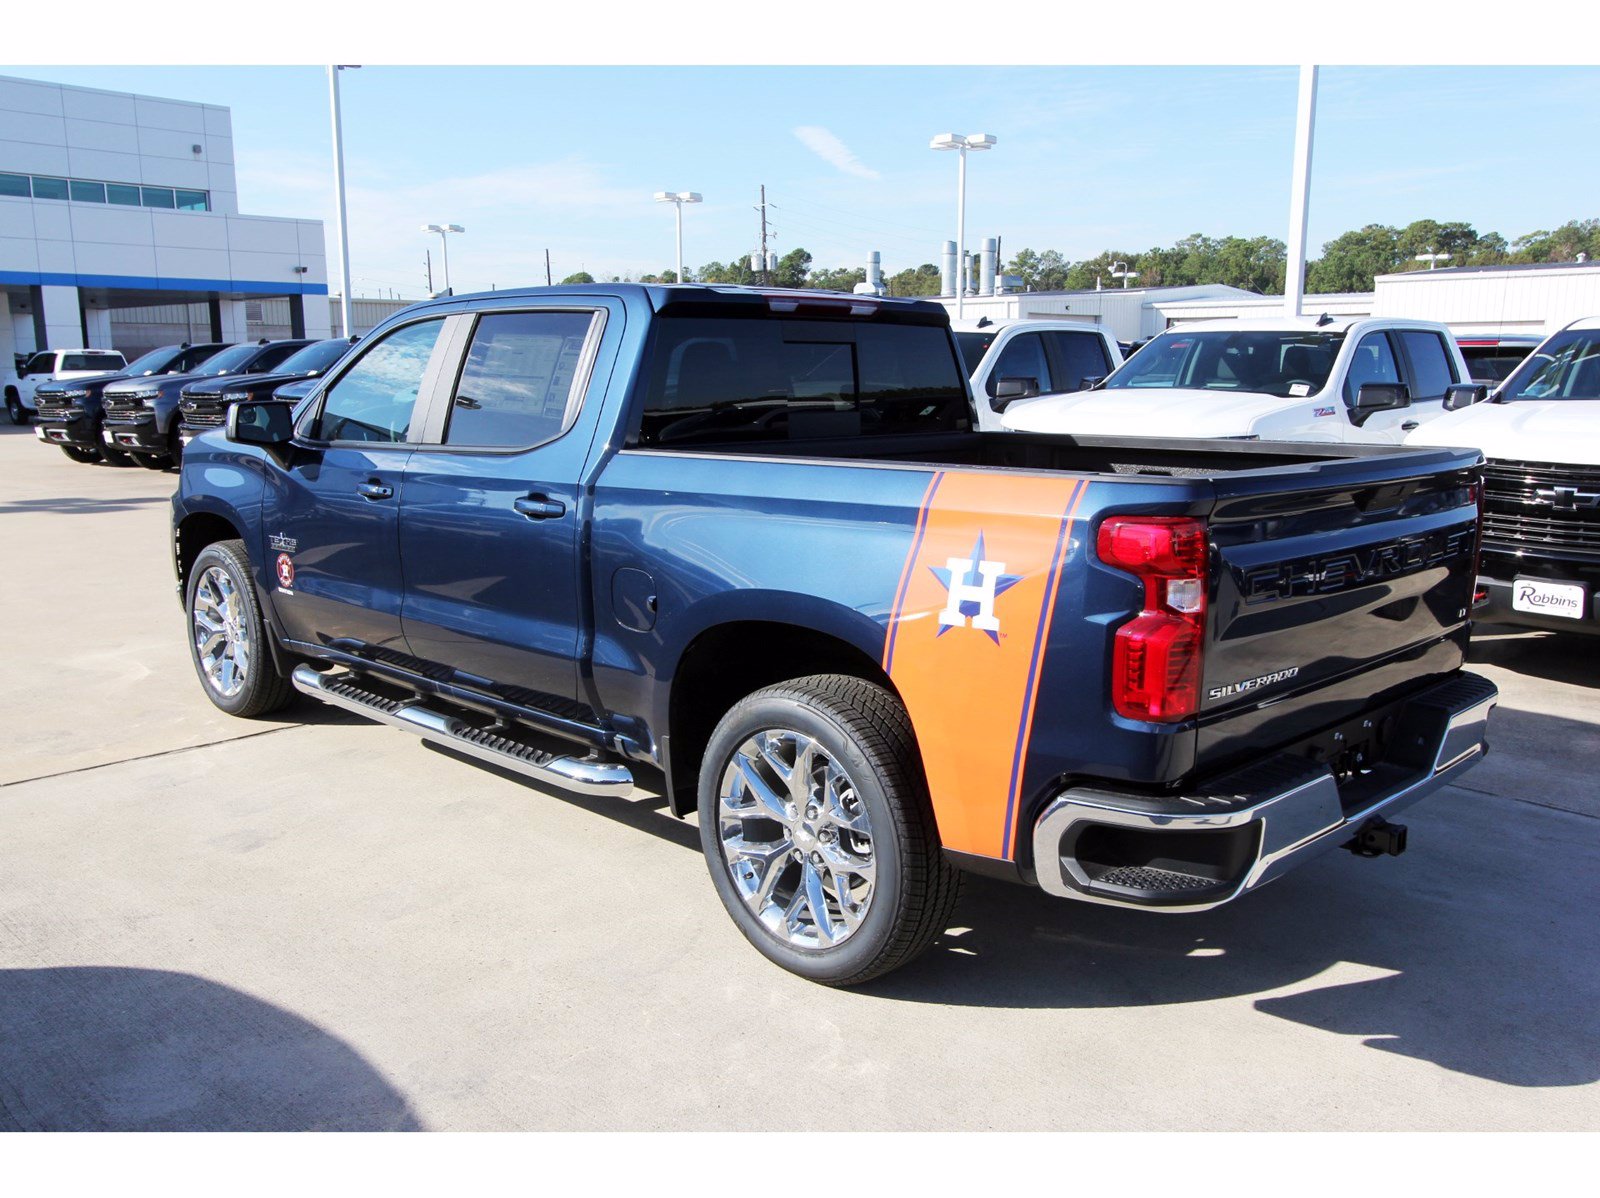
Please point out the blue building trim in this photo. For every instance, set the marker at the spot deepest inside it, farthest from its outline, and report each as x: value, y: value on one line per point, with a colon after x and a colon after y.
x: 25, y: 278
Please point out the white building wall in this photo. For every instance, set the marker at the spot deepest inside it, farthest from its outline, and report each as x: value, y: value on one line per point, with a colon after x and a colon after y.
x: 1127, y: 314
x: 1538, y: 300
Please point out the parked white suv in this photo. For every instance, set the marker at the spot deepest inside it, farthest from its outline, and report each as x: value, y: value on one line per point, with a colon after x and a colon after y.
x: 1011, y: 360
x: 52, y: 365
x: 1274, y: 379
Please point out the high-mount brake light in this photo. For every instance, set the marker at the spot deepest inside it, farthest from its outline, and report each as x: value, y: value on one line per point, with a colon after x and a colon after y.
x: 1155, y: 659
x: 803, y: 305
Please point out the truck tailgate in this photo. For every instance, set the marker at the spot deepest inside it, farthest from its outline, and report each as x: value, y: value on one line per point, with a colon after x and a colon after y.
x: 1335, y: 588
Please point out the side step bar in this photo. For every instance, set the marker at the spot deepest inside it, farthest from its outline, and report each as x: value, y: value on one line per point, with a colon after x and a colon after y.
x: 588, y: 776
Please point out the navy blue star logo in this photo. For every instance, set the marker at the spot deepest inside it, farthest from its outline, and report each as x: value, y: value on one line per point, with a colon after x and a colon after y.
x: 973, y: 583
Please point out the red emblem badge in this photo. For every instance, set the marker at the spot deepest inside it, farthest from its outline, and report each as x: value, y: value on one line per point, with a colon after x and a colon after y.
x: 285, y: 572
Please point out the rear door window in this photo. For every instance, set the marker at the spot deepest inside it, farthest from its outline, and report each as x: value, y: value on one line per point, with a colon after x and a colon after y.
x: 1022, y: 358
x: 373, y: 400
x: 516, y: 387
x: 1374, y: 362
x: 1431, y: 368
x: 727, y: 379
x: 1081, y: 356
x: 42, y: 363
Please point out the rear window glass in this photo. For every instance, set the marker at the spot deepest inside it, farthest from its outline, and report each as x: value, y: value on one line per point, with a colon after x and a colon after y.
x: 1493, y: 363
x: 90, y: 361
x: 714, y: 379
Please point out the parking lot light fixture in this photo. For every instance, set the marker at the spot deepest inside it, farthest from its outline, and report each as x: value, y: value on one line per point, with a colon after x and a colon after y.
x: 678, y: 199
x: 1119, y: 270
x: 444, y: 232
x: 1433, y: 259
x: 961, y: 143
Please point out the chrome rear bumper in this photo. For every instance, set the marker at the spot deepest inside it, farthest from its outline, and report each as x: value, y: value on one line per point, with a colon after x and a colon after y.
x: 1197, y: 851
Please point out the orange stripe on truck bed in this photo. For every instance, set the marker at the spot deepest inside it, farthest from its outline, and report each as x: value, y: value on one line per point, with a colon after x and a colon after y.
x: 966, y: 641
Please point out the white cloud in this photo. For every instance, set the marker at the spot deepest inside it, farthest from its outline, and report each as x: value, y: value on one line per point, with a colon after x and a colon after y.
x: 834, y: 152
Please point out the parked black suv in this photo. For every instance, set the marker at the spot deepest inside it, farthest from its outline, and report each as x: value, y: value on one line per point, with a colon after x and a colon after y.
x: 204, y: 404
x: 141, y: 416
x: 70, y: 412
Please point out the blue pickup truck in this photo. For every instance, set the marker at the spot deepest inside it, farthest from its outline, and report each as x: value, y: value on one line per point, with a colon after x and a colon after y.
x: 748, y: 548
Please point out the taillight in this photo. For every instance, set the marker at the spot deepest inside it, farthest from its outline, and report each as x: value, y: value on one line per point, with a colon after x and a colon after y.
x: 1155, y: 658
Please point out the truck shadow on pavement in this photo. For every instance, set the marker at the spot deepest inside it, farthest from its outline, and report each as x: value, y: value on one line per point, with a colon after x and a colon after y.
x: 1554, y: 656
x: 1475, y: 951
x: 98, y: 1048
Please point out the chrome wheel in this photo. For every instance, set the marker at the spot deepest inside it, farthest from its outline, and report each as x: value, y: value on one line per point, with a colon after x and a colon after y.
x: 221, y: 633
x: 796, y: 839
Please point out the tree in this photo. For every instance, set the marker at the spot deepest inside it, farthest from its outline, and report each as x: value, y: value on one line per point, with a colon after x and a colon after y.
x: 921, y: 280
x: 842, y: 278
x: 1559, y: 245
x: 792, y: 268
x: 582, y: 276
x: 1351, y: 260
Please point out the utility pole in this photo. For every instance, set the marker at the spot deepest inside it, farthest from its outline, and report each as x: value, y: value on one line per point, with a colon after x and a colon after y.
x: 428, y: 262
x: 766, y: 280
x: 1294, y: 284
x: 547, y: 282
x: 340, y: 214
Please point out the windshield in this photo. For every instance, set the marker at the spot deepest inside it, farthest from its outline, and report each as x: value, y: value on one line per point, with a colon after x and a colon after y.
x: 1283, y: 363
x: 973, y: 346
x: 315, y: 358
x: 232, y: 360
x: 1565, y: 367
x: 154, y: 362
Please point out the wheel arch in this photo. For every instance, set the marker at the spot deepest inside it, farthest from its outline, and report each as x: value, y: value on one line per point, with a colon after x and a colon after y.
x: 193, y: 534
x: 727, y: 661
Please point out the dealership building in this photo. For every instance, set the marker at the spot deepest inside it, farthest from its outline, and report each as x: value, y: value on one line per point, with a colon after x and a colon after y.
x: 113, y: 204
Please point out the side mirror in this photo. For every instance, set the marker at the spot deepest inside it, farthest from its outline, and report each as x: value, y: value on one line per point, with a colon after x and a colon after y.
x: 1464, y: 395
x: 261, y: 423
x: 1378, y: 397
x: 1090, y: 383
x: 1013, y: 387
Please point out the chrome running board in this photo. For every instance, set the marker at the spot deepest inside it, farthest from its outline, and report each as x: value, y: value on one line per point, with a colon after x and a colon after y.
x: 585, y: 775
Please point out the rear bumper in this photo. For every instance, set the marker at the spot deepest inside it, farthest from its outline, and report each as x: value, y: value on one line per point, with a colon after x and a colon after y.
x: 1196, y: 851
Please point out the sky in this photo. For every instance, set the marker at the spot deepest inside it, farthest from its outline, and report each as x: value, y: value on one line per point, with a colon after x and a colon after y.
x: 1088, y: 158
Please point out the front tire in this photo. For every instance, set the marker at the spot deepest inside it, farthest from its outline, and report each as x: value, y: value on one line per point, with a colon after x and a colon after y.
x: 111, y: 455
x: 816, y: 827
x: 78, y: 454
x: 14, y: 408
x: 228, y: 635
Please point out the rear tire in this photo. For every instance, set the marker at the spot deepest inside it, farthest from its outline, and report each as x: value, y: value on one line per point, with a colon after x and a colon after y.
x: 816, y: 827
x: 78, y: 454
x: 228, y: 635
x: 14, y: 408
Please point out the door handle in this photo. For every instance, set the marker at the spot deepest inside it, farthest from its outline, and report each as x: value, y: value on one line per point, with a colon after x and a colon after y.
x: 1409, y: 425
x: 374, y: 490
x: 540, y: 507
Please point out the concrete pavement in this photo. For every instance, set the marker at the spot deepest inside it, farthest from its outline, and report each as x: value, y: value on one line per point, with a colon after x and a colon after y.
x: 320, y: 922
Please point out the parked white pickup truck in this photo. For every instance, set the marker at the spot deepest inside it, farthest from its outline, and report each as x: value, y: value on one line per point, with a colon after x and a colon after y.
x: 1011, y: 360
x: 49, y: 366
x: 1540, y: 433
x: 1274, y: 379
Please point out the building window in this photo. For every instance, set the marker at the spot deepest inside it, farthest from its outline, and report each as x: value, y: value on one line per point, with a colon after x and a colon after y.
x: 96, y: 191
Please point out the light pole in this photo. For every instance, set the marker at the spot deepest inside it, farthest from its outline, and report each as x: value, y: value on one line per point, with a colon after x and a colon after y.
x: 444, y: 232
x: 1119, y: 270
x: 678, y: 199
x: 341, y: 216
x: 1433, y: 259
x: 962, y: 143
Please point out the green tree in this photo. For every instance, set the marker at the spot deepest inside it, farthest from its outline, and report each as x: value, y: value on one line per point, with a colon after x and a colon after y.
x: 1563, y: 244
x: 1352, y: 260
x: 582, y: 276
x: 842, y: 278
x: 918, y: 280
x: 793, y: 268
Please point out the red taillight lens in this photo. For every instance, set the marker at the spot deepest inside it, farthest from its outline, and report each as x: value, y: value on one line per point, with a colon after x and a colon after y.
x: 1155, y: 659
